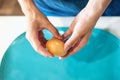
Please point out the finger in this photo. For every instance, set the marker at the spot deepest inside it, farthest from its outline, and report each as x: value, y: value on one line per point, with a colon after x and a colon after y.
x: 42, y: 39
x: 37, y: 45
x: 34, y: 40
x: 43, y: 51
x: 69, y: 31
x: 77, y: 33
x: 54, y: 31
x: 66, y: 35
x: 81, y: 43
x: 69, y: 43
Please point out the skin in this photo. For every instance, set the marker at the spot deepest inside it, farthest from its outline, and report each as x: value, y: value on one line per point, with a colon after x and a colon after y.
x: 80, y: 29
x: 36, y: 23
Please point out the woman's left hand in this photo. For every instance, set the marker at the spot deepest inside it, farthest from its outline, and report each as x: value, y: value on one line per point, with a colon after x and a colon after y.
x: 80, y: 31
x: 81, y: 27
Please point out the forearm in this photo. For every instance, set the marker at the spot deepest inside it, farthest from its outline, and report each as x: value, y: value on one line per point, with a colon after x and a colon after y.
x: 28, y: 8
x: 96, y: 7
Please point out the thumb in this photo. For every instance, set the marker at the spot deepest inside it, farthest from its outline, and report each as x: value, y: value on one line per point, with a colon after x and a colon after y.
x: 70, y: 42
x: 54, y: 31
x: 67, y: 34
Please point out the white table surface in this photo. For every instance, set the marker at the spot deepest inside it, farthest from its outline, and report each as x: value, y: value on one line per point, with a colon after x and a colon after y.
x: 13, y: 26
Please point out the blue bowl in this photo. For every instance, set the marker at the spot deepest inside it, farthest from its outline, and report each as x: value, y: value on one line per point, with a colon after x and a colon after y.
x: 98, y: 60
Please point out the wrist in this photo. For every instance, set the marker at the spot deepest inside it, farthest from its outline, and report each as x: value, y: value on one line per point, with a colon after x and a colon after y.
x: 28, y: 8
x: 96, y: 7
x: 91, y: 14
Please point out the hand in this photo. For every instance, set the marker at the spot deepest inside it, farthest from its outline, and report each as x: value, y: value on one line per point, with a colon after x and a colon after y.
x: 80, y: 31
x: 81, y: 27
x: 36, y: 23
x: 35, y: 35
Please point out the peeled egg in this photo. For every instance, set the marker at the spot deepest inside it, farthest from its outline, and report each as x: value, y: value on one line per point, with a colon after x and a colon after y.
x: 56, y: 47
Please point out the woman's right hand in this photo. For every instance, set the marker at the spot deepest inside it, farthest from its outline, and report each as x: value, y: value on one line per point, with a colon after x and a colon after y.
x: 35, y: 35
x: 36, y: 23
